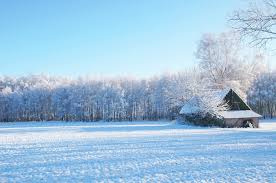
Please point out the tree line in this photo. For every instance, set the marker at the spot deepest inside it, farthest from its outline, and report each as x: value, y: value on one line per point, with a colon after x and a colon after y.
x: 45, y: 98
x: 40, y: 97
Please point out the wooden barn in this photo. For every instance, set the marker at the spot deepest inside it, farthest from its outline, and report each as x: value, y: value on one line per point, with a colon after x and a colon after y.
x: 238, y: 113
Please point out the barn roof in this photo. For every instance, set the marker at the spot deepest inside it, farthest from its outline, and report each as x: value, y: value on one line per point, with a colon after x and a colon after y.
x: 221, y: 94
x: 239, y: 114
x: 192, y: 106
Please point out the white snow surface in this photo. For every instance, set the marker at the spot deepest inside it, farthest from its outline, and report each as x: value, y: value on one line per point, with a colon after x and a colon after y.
x: 135, y: 152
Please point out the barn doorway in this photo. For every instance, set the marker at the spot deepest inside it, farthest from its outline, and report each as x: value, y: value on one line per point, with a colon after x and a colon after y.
x: 248, y: 123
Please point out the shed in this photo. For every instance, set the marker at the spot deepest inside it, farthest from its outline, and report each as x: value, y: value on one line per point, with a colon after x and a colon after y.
x: 238, y: 114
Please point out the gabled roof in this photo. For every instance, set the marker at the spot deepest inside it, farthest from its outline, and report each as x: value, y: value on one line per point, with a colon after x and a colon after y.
x: 239, y: 114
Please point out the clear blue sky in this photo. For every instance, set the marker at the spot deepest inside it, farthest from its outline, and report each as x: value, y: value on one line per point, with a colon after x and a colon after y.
x: 105, y: 37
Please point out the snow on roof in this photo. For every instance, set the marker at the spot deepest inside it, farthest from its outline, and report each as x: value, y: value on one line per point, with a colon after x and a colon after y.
x: 221, y: 94
x: 239, y: 114
x: 192, y: 106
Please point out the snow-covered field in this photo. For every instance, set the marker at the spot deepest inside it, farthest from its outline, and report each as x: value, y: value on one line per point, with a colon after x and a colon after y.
x: 135, y: 152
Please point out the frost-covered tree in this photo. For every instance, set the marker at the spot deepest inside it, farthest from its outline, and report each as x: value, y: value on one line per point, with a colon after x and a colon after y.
x: 222, y: 62
x: 219, y: 57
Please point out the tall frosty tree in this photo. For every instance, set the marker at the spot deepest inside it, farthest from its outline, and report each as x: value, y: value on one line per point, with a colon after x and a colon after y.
x: 219, y: 57
x: 222, y: 63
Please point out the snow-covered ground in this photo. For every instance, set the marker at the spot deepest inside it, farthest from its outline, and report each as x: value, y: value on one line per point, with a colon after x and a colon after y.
x: 135, y: 152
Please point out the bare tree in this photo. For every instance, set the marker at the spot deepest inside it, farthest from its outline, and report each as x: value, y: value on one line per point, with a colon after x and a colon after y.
x: 257, y: 22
